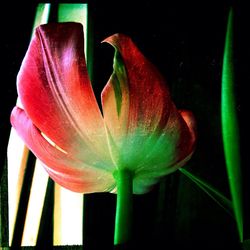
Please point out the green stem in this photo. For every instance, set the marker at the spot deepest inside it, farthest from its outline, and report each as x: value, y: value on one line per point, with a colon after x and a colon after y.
x: 124, y: 207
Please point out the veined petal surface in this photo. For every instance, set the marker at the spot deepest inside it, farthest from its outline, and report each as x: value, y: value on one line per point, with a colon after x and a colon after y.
x: 62, y: 167
x: 57, y: 95
x: 147, y: 134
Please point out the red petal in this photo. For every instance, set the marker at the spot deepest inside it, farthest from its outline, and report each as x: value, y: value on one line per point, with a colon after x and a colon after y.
x: 81, y: 182
x: 136, y: 87
x: 56, y: 93
x: 138, y: 111
x: 63, y: 168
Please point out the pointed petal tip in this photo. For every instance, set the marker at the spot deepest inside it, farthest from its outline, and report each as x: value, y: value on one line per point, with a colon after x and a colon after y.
x: 110, y: 38
x: 116, y: 39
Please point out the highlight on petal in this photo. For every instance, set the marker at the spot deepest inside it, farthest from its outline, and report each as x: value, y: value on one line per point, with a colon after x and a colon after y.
x: 115, y: 100
x: 56, y: 93
x: 188, y: 117
x: 63, y: 168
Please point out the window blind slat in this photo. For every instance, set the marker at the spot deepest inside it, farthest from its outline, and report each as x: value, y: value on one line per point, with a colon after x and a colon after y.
x: 23, y: 201
x: 35, y: 206
x: 4, y: 230
x: 17, y: 159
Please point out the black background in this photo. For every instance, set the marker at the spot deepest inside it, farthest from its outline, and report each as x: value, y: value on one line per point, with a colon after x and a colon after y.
x: 185, y: 41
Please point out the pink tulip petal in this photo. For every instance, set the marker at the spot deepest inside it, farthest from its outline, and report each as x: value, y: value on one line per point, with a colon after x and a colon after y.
x: 146, y: 131
x: 81, y: 182
x: 182, y: 137
x: 62, y: 167
x: 56, y: 93
x: 136, y: 93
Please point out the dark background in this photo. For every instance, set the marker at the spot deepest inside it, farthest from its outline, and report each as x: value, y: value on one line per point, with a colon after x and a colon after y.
x: 185, y: 41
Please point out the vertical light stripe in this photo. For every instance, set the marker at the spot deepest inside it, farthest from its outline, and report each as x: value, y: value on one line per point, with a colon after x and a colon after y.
x: 68, y: 210
x: 18, y: 155
x: 35, y: 206
x: 68, y: 12
x: 17, y: 159
x: 68, y: 217
x: 42, y: 15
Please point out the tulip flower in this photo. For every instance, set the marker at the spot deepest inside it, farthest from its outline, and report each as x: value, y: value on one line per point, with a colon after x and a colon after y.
x: 127, y: 145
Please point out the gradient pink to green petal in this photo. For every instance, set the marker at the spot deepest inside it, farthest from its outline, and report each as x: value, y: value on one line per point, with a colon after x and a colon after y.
x: 140, y: 130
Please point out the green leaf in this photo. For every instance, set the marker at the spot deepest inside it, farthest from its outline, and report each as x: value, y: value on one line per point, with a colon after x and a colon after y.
x: 230, y: 128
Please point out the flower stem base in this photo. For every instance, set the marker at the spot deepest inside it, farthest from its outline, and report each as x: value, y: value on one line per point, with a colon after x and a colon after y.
x: 124, y: 207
